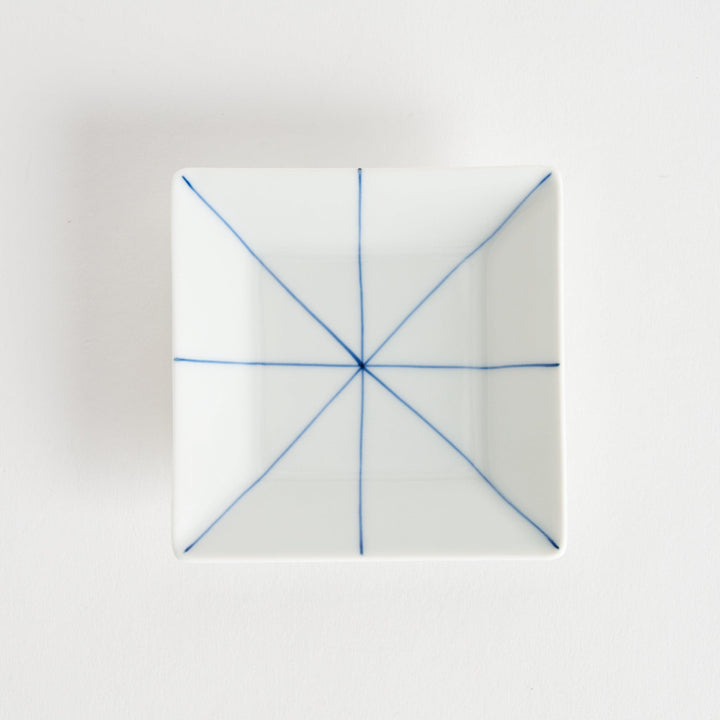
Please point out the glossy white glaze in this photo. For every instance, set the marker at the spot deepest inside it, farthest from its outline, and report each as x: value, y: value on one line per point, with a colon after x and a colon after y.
x: 448, y: 442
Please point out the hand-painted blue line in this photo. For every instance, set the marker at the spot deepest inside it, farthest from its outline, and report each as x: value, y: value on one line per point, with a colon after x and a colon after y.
x: 271, y: 273
x: 456, y: 266
x: 464, y: 367
x: 360, y: 473
x: 360, y: 277
x: 464, y: 456
x: 272, y: 465
x: 263, y: 363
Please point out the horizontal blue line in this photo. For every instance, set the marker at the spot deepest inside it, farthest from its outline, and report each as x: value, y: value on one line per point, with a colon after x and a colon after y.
x: 263, y: 363
x: 464, y: 367
x: 464, y: 457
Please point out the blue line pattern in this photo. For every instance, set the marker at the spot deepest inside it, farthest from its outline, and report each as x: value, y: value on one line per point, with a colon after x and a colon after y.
x: 362, y: 365
x: 263, y: 363
x: 272, y: 274
x: 462, y: 455
x: 416, y: 366
x: 362, y: 362
x: 272, y: 464
x: 360, y: 278
x: 452, y: 270
x: 360, y: 485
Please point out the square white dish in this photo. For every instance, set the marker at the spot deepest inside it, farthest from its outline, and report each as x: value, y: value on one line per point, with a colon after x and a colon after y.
x: 366, y: 363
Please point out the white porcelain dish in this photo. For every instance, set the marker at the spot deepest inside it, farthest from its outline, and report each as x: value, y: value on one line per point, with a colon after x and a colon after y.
x: 367, y: 363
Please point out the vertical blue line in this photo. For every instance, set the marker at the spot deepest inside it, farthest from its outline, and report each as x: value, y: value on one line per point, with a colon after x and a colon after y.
x: 360, y: 487
x: 362, y: 303
x: 362, y: 361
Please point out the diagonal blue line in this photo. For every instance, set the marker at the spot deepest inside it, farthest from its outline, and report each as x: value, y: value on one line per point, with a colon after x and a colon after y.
x: 272, y: 465
x: 465, y: 367
x: 455, y: 267
x: 465, y: 457
x: 360, y: 276
x: 272, y: 274
x: 360, y: 473
x: 263, y: 363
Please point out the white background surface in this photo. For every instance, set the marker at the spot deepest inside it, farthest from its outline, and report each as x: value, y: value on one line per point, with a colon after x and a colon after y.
x: 101, y: 103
